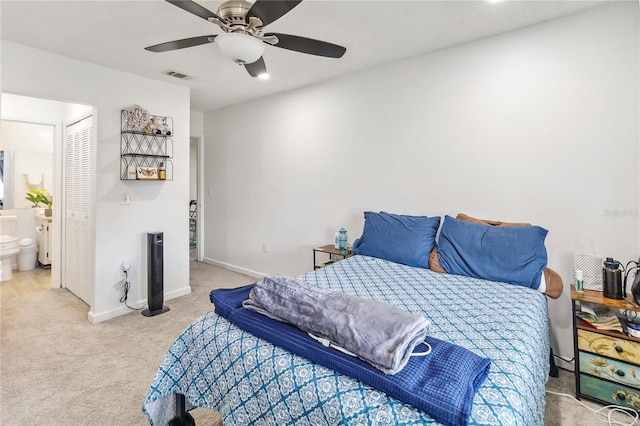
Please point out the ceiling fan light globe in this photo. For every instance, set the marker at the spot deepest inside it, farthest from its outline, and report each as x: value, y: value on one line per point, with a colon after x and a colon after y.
x: 240, y: 48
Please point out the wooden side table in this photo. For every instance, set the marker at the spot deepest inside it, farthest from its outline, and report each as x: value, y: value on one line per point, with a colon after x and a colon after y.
x: 607, y: 362
x: 334, y: 255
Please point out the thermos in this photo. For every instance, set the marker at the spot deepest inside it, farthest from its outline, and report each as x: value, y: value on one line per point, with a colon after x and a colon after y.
x: 612, y: 279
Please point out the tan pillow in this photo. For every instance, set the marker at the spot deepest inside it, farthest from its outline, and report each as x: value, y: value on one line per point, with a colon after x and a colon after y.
x: 434, y: 263
x: 554, y: 283
x: 551, y: 277
x: 464, y: 218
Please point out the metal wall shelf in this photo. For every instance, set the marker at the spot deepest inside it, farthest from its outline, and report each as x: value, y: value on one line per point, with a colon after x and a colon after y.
x: 141, y: 148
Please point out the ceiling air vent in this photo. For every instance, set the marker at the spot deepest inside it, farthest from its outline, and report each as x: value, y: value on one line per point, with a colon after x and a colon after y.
x: 176, y: 74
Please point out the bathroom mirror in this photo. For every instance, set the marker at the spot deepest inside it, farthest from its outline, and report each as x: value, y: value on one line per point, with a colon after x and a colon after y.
x: 26, y: 161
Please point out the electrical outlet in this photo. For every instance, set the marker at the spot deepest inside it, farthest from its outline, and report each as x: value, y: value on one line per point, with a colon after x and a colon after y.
x: 265, y: 247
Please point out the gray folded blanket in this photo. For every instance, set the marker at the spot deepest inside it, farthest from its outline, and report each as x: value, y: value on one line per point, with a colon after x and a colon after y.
x: 379, y: 333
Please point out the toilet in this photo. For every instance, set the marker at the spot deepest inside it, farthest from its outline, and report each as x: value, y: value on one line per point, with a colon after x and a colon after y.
x: 8, y: 245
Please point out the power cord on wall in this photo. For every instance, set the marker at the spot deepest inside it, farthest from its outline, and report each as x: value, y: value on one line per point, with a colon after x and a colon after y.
x: 564, y: 359
x: 126, y: 285
x: 604, y: 414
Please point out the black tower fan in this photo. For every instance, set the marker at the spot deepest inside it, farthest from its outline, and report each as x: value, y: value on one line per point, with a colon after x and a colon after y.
x: 155, y: 275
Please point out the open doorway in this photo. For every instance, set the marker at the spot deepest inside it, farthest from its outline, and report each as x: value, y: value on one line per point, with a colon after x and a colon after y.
x: 194, y: 198
x: 56, y: 115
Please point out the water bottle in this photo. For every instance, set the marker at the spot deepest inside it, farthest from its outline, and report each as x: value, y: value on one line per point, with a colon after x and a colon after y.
x: 337, y: 241
x: 342, y: 240
x: 579, y: 281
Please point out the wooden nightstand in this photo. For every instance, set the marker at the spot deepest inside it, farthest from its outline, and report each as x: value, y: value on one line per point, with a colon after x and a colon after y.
x: 607, y: 364
x: 334, y: 255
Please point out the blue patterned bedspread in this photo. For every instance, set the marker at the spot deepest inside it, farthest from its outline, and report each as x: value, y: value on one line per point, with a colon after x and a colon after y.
x: 250, y: 381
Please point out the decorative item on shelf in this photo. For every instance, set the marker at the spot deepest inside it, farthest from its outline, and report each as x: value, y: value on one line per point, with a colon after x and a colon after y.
x: 147, y: 173
x: 162, y: 172
x: 136, y: 118
x: 132, y: 173
x: 159, y: 126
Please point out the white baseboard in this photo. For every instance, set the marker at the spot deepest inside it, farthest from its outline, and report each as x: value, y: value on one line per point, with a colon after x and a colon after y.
x: 234, y: 268
x: 122, y: 309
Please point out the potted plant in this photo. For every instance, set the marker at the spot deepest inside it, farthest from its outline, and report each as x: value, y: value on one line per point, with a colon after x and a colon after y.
x: 47, y: 200
x: 40, y: 196
x: 33, y: 196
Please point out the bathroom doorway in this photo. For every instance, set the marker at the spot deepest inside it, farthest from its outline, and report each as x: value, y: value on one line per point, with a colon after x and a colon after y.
x: 54, y: 114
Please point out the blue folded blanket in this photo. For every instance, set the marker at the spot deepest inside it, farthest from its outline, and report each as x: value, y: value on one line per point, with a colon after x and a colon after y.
x: 441, y: 384
x: 379, y: 333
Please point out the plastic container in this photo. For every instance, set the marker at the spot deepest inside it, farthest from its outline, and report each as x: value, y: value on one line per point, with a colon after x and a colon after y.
x: 28, y: 255
x: 579, y: 281
x: 343, y: 243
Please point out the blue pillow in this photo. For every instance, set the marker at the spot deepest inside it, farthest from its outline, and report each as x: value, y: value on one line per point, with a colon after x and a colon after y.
x: 398, y: 238
x: 514, y: 255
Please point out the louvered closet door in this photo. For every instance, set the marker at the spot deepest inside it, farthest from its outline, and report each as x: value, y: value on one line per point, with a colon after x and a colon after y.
x: 79, y: 235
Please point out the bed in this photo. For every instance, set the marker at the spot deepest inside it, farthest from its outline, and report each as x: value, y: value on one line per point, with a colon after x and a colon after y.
x: 216, y: 365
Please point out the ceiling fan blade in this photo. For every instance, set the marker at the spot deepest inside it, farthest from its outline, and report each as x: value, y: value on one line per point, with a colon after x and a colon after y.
x: 180, y: 44
x: 271, y: 10
x: 256, y: 68
x: 308, y: 45
x: 195, y: 8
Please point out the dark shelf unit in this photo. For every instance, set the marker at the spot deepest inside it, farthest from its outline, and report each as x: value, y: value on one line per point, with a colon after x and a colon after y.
x: 144, y: 149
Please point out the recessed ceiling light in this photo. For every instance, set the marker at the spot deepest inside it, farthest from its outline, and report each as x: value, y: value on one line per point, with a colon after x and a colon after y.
x: 264, y: 76
x: 496, y: 1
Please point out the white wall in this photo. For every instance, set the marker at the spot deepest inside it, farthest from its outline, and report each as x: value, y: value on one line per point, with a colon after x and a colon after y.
x: 155, y: 206
x: 537, y: 125
x: 196, y: 123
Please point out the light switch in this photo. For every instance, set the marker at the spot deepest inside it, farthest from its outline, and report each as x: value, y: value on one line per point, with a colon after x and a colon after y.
x: 126, y: 199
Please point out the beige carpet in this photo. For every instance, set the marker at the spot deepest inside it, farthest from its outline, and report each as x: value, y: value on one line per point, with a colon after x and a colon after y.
x: 58, y: 369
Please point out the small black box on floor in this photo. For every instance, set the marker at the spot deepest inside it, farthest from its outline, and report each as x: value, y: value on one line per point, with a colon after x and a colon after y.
x: 155, y: 275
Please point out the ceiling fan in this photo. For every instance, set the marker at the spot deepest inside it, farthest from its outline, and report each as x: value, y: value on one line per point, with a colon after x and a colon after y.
x: 243, y: 39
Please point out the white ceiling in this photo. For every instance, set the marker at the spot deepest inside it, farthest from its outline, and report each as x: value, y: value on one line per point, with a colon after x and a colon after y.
x: 114, y: 34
